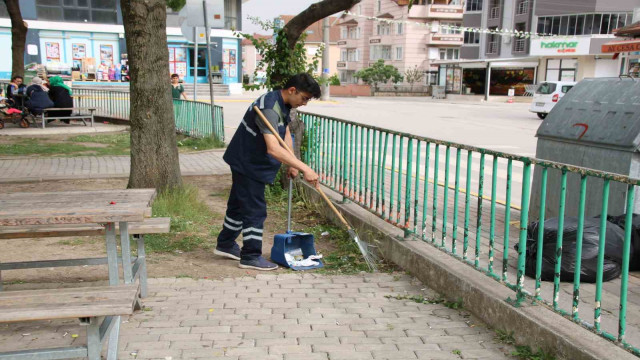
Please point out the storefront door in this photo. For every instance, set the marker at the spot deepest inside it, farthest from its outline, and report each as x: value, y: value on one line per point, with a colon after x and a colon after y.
x: 199, y: 68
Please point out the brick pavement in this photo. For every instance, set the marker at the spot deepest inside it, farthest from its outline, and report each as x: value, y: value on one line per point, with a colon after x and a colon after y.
x: 286, y: 316
x: 84, y: 167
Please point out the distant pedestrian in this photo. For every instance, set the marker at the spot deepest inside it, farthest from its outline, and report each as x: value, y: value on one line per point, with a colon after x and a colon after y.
x: 177, y: 89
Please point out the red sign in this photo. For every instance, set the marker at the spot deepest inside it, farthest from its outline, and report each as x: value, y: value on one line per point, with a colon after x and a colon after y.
x: 621, y: 46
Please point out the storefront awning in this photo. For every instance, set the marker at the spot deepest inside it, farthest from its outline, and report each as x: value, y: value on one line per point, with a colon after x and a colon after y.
x: 495, y: 63
x: 621, y: 46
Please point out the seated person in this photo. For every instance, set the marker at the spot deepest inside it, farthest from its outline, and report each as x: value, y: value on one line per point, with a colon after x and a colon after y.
x: 38, y: 97
x: 14, y: 87
x: 61, y: 96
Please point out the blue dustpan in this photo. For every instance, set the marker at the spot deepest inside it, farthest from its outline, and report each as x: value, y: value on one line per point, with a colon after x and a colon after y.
x: 293, y: 242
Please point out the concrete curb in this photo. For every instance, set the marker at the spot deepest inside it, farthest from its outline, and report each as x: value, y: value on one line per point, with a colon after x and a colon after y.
x: 533, y: 325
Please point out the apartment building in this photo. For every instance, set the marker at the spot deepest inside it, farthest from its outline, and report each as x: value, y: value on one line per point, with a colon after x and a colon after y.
x: 416, y: 38
x: 570, y: 48
x: 63, y: 32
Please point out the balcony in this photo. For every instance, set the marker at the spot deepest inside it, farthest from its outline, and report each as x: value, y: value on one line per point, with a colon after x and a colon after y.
x: 446, y: 39
x: 348, y: 43
x: 348, y: 65
x: 453, y: 12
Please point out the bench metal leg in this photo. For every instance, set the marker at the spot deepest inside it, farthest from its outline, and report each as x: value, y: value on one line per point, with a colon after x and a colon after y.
x: 92, y: 119
x: 125, y: 246
x: 112, y: 347
x: 112, y: 253
x: 142, y: 259
x: 94, y: 345
x: 43, y: 120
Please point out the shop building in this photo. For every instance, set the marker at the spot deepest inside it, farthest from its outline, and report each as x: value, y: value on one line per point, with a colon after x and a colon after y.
x: 64, y: 32
x: 569, y: 50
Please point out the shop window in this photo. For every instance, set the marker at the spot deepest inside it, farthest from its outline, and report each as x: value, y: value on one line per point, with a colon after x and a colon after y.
x: 561, y: 69
x: 95, y: 11
x: 582, y: 24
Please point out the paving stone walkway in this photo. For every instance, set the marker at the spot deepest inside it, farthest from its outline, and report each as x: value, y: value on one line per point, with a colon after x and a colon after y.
x: 282, y: 317
x: 93, y: 167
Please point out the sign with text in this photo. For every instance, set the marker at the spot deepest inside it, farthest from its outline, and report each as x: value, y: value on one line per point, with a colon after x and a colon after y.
x: 560, y: 46
x: 621, y: 46
x: 374, y: 41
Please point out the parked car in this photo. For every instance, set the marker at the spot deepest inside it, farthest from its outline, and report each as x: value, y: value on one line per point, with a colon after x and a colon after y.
x: 547, y: 95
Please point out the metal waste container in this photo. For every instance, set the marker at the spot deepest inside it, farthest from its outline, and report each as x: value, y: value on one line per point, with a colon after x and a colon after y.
x: 595, y: 125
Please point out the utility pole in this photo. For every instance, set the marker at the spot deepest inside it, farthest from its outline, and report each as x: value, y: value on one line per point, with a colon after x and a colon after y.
x: 195, y: 64
x: 325, y: 59
x: 208, y: 35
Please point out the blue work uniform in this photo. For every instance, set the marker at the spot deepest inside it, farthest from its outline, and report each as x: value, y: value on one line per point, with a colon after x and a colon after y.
x: 251, y: 169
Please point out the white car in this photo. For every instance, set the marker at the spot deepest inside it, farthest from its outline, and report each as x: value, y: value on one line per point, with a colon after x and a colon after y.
x: 547, y: 95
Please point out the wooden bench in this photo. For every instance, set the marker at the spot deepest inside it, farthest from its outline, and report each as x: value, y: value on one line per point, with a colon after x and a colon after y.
x: 78, y: 115
x: 137, y: 229
x: 98, y: 307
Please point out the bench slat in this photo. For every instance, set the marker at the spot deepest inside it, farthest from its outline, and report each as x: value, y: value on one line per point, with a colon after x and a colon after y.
x: 31, y: 305
x: 148, y: 226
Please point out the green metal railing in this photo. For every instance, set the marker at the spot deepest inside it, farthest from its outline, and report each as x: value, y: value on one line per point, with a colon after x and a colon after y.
x: 192, y: 118
x: 353, y: 159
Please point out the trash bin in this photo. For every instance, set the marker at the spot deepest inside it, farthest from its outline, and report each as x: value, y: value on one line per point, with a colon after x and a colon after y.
x: 595, y: 125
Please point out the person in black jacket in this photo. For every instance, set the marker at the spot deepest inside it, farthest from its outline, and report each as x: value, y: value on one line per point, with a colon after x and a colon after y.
x: 61, y: 96
x: 38, y: 97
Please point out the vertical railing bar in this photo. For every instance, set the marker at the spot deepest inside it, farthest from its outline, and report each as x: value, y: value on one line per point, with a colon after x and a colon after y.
x: 524, y: 219
x: 393, y: 175
x: 399, y: 198
x: 558, y: 253
x: 434, y: 219
x: 382, y: 172
x: 476, y: 261
x: 417, y: 189
x: 579, y: 237
x: 367, y: 186
x: 601, y: 246
x: 543, y: 205
x: 507, y: 221
x: 407, y: 190
x: 360, y: 182
x: 445, y: 207
x: 454, y: 230
x: 624, y: 278
x: 425, y: 191
x: 492, y: 224
x: 467, y: 205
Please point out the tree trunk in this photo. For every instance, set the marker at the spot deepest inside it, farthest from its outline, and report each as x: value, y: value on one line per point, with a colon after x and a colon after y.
x: 154, y: 150
x: 18, y: 37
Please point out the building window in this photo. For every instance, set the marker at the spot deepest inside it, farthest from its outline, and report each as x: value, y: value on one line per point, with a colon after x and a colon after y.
x: 523, y: 7
x: 400, y: 29
x: 471, y: 37
x: 354, y: 32
x: 379, y: 5
x: 493, y: 42
x: 449, y: 54
x: 561, y: 69
x: 95, y: 11
x: 399, y: 53
x: 384, y: 29
x: 380, y: 52
x: 343, y: 55
x: 343, y: 33
x: 353, y: 55
x: 449, y: 28
x: 520, y: 44
x: 474, y: 5
x: 583, y: 24
x: 494, y: 9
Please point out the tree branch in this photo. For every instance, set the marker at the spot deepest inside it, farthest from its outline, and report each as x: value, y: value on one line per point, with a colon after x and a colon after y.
x: 313, y: 13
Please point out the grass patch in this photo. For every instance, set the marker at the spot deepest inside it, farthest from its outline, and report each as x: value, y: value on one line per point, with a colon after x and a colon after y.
x: 505, y: 337
x: 525, y: 353
x: 34, y: 147
x: 428, y: 300
x: 121, y: 140
x: 190, y: 222
x: 186, y: 143
x: 72, y: 242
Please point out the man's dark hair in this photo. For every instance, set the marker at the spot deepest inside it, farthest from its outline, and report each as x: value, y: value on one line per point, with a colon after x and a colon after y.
x: 175, y: 75
x: 16, y: 77
x: 304, y: 82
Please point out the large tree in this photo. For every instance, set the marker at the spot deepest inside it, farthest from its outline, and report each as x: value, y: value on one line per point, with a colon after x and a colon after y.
x: 154, y: 152
x: 18, y: 37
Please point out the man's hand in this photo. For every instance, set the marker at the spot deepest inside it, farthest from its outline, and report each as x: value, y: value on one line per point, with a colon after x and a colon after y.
x: 311, y: 177
x: 292, y: 173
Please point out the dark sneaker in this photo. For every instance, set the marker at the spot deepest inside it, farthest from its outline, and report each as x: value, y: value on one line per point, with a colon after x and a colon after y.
x: 257, y: 264
x: 233, y: 253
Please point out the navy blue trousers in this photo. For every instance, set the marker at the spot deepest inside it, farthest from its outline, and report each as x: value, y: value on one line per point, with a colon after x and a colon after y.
x: 246, y: 212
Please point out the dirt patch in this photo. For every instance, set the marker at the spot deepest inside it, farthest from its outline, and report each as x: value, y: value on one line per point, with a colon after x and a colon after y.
x: 200, y: 263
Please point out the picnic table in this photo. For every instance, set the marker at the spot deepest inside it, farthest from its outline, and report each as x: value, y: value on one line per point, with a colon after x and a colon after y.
x: 30, y: 212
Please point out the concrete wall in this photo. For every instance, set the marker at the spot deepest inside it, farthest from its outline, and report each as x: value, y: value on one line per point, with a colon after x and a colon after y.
x: 473, y: 19
x: 470, y: 52
x: 350, y: 90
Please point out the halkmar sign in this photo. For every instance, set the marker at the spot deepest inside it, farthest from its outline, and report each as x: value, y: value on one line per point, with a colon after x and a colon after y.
x: 560, y: 46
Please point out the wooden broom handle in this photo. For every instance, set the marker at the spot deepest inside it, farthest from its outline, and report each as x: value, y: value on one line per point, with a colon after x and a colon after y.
x: 284, y: 145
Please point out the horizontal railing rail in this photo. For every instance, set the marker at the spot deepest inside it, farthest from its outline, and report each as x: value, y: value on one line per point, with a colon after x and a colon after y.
x: 438, y: 192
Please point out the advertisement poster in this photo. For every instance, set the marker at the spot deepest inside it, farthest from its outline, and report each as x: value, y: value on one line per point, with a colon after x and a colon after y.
x: 181, y: 54
x: 106, y: 54
x: 52, y: 51
x: 230, y: 60
x: 78, y: 51
x: 178, y: 61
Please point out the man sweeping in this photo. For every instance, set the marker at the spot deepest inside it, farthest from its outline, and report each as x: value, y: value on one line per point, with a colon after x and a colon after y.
x: 255, y: 156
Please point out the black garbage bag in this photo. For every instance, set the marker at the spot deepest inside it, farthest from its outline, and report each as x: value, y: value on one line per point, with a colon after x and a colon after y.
x: 590, y: 240
x: 620, y: 220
